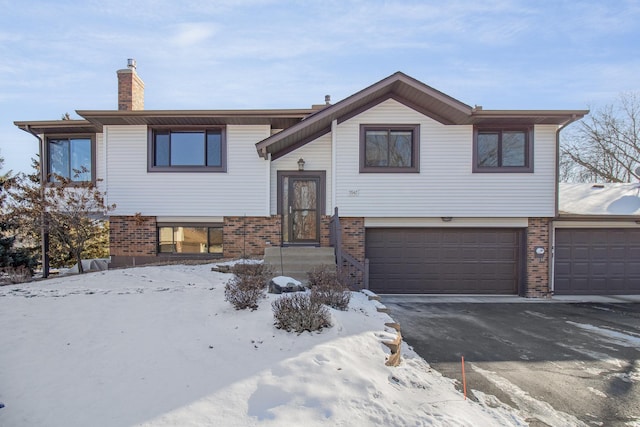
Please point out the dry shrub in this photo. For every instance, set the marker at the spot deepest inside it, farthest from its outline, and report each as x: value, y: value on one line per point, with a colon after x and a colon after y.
x: 252, y: 269
x: 245, y: 291
x: 328, y: 287
x: 13, y: 275
x: 300, y: 312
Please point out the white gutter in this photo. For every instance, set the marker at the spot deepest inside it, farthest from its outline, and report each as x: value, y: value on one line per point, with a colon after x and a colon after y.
x: 334, y: 167
x: 268, y: 183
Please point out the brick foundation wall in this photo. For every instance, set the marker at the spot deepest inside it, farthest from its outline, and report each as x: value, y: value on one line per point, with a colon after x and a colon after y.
x: 133, y: 236
x: 248, y: 236
x: 134, y: 239
x: 537, y: 276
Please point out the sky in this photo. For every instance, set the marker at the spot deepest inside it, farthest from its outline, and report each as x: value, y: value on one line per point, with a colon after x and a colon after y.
x: 62, y: 56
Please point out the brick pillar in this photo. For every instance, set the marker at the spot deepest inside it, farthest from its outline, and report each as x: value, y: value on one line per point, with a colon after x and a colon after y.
x: 324, y: 230
x: 353, y: 237
x: 538, y: 268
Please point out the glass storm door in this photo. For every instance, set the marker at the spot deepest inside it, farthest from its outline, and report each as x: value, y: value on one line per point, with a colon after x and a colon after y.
x: 301, y: 216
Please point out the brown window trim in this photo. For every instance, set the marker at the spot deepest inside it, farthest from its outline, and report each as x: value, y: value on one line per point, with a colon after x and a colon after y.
x: 45, y: 161
x: 209, y: 169
x: 206, y: 225
x: 415, y: 149
x: 528, y: 155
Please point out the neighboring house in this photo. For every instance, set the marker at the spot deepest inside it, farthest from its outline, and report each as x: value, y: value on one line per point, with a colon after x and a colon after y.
x: 597, y: 240
x: 439, y: 196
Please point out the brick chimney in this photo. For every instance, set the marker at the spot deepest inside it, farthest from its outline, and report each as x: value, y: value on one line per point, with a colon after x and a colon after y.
x: 130, y: 88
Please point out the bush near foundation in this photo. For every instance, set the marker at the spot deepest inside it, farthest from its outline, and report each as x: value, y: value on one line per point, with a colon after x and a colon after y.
x: 327, y: 287
x: 300, y: 312
x: 247, y: 286
x: 253, y: 270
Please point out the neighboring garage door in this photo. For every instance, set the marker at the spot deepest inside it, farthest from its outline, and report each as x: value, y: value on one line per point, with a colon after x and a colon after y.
x: 597, y: 261
x: 448, y: 261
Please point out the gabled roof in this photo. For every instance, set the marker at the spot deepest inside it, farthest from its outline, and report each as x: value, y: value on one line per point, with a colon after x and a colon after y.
x: 606, y: 201
x: 414, y: 94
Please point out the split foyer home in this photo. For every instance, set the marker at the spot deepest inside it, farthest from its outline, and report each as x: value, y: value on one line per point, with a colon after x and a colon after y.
x: 435, y: 195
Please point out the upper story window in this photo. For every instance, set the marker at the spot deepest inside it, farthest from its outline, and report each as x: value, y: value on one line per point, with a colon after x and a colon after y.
x: 389, y: 148
x: 187, y: 150
x: 70, y: 158
x: 503, y: 150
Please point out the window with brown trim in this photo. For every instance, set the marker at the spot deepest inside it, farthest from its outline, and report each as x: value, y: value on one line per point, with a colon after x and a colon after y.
x: 190, y: 239
x: 187, y: 150
x: 503, y: 150
x: 70, y: 157
x: 389, y: 148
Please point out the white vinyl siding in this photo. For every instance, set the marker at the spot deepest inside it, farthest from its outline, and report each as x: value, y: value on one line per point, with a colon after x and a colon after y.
x: 439, y: 223
x: 445, y: 186
x: 317, y: 157
x: 239, y: 191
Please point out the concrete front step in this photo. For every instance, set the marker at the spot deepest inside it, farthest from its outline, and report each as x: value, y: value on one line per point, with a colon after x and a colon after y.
x: 297, y: 261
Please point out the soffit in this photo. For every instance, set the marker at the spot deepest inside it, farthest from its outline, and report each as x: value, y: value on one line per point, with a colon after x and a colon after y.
x: 58, y: 126
x: 277, y: 119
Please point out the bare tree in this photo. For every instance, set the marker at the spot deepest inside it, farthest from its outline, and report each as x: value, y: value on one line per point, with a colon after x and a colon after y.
x: 71, y: 212
x: 606, y: 145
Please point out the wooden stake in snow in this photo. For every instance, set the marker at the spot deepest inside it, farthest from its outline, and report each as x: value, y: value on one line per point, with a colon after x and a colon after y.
x: 464, y: 380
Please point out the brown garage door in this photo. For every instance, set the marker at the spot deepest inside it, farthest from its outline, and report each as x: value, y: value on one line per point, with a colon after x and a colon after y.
x: 597, y: 261
x: 449, y: 261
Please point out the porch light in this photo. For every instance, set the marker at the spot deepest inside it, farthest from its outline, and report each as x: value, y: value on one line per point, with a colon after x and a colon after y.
x: 301, y: 164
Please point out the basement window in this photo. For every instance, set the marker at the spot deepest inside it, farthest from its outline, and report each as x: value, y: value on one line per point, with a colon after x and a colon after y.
x: 179, y: 239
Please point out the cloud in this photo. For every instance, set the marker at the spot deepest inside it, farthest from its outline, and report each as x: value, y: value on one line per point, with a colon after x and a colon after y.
x: 191, y: 34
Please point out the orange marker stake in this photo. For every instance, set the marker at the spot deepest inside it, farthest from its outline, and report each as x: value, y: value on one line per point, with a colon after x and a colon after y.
x: 464, y: 380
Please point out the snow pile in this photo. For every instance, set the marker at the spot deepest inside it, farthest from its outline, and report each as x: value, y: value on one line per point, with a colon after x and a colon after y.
x: 159, y: 346
x: 599, y: 199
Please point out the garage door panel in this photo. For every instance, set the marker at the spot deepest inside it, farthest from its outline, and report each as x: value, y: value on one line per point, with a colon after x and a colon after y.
x: 444, y: 260
x: 597, y: 261
x: 580, y: 253
x: 563, y: 269
x: 617, y: 269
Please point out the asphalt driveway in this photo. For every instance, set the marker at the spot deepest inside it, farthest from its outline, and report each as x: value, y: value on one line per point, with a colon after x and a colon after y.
x: 557, y: 363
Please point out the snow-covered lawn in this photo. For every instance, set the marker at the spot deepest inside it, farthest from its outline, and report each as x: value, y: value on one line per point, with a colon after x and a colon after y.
x: 160, y: 346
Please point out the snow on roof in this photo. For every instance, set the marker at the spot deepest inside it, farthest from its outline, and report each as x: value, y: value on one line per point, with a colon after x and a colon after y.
x: 599, y: 199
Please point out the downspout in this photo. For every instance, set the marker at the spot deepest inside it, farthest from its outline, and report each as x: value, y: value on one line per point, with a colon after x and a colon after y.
x: 105, y: 162
x: 44, y: 242
x: 556, y: 210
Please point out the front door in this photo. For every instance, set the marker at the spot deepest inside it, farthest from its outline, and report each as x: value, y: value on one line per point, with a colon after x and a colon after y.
x: 301, y: 207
